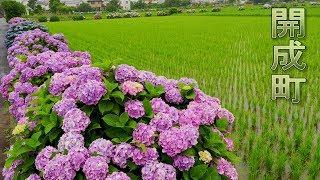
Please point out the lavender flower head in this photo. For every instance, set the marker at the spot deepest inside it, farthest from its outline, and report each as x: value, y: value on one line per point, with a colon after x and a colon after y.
x: 134, y: 108
x: 91, y: 92
x: 177, y: 140
x: 122, y: 153
x: 158, y: 105
x: 8, y: 173
x: 78, y: 155
x: 126, y: 73
x: 118, y: 176
x: 34, y: 177
x: 144, y: 134
x: 141, y: 157
x: 70, y: 140
x: 229, y: 142
x: 131, y: 88
x: 157, y: 170
x: 147, y: 76
x: 161, y: 121
x: 227, y: 169
x: 64, y: 105
x: 103, y: 148
x: 45, y: 155
x: 224, y: 113
x: 95, y: 168
x: 59, y: 168
x: 173, y: 96
x: 75, y: 120
x: 183, y: 163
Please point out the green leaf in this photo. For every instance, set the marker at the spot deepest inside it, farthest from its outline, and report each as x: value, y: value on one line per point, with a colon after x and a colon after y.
x: 115, y: 121
x: 150, y: 88
x: 112, y: 169
x: 121, y: 140
x: 132, y: 124
x: 32, y: 143
x: 114, y: 132
x: 190, y: 152
x: 105, y: 106
x: 222, y: 124
x: 190, y: 95
x: 186, y: 175
x: 51, y: 123
x: 212, y: 174
x: 132, y: 166
x: 110, y: 85
x: 147, y: 108
x: 93, y: 126
x: 54, y: 134
x: 27, y: 164
x: 116, y: 109
x: 132, y: 176
x: 87, y: 109
x: 197, y: 172
x: 117, y: 95
x: 9, y: 162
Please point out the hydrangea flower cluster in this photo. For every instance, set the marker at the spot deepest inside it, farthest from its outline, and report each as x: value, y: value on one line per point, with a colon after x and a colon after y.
x: 18, y: 26
x: 146, y: 128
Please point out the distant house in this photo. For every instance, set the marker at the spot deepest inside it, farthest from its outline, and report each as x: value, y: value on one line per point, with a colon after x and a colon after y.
x: 44, y: 4
x: 125, y: 4
x: 154, y: 1
x: 72, y: 3
x: 96, y: 4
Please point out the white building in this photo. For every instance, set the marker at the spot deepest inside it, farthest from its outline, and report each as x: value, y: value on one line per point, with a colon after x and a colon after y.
x: 125, y: 4
x: 72, y: 3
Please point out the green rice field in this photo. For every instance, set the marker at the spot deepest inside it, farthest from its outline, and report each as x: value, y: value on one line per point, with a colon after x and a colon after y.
x: 230, y: 57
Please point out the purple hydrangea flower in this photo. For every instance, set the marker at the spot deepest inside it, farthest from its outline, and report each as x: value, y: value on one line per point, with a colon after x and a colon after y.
x: 173, y: 96
x: 198, y: 114
x: 131, y: 88
x: 158, y: 170
x: 118, y: 176
x: 183, y: 163
x: 59, y: 168
x: 161, y: 121
x: 201, y: 97
x: 122, y: 153
x: 45, y: 155
x: 70, y: 140
x: 177, y: 140
x: 158, y: 105
x: 75, y: 120
x: 78, y: 155
x: 95, y: 168
x: 134, y: 108
x: 63, y: 106
x: 229, y: 142
x: 126, y: 73
x: 102, y: 147
x: 8, y: 173
x: 144, y: 134
x: 227, y: 169
x: 224, y: 113
x: 147, y: 76
x: 141, y: 157
x: 34, y: 177
x: 91, y: 92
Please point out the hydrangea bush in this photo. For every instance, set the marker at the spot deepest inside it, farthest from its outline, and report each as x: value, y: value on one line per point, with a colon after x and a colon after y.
x: 18, y: 26
x: 75, y: 121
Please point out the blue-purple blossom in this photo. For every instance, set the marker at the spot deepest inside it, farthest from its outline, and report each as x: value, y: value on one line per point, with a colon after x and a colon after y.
x: 177, y: 140
x: 144, y: 134
x: 8, y: 173
x: 77, y: 156
x: 95, y: 168
x: 141, y: 157
x: 44, y: 156
x: 126, y: 73
x: 134, y: 108
x: 64, y: 105
x: 103, y: 148
x: 91, y: 92
x: 183, y: 163
x: 34, y: 177
x: 59, y: 167
x: 70, y: 140
x: 118, y: 176
x: 227, y: 169
x: 75, y: 120
x: 157, y: 170
x: 122, y: 153
x: 161, y: 121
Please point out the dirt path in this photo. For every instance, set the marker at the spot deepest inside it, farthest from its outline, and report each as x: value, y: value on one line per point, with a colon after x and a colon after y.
x: 4, y: 117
